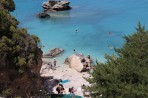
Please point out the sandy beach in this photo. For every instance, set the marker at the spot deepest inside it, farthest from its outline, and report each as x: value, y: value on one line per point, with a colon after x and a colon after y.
x: 63, y: 72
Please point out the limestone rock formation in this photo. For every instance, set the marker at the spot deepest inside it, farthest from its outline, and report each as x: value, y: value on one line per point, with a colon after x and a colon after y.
x: 43, y: 15
x: 76, y: 61
x: 52, y: 53
x: 53, y: 5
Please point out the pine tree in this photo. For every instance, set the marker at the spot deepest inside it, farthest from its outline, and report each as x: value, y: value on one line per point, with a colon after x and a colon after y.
x: 126, y: 74
x: 20, y: 56
x: 8, y: 4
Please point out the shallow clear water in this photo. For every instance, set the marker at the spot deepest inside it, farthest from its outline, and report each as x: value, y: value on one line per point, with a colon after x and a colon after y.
x: 100, y: 24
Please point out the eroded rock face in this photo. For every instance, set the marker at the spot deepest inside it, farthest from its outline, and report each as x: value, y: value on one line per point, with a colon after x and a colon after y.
x: 78, y: 62
x: 43, y: 15
x: 53, y: 5
x: 52, y: 53
x: 75, y: 61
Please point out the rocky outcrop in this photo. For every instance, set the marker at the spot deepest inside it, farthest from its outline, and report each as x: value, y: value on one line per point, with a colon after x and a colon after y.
x: 53, y: 5
x: 52, y: 53
x: 43, y: 15
x: 76, y: 61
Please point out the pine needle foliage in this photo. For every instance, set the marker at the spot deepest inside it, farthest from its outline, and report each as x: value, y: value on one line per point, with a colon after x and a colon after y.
x: 126, y: 74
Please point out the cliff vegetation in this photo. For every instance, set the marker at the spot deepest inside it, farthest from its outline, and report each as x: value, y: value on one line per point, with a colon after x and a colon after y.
x: 20, y: 56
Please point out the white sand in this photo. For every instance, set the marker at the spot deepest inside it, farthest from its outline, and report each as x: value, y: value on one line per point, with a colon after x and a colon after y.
x: 65, y: 73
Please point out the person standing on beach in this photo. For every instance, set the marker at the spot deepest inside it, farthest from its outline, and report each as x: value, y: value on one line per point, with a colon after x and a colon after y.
x: 54, y: 62
x: 71, y: 91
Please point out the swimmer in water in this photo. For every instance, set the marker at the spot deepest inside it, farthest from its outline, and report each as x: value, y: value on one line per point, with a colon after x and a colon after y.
x: 76, y: 31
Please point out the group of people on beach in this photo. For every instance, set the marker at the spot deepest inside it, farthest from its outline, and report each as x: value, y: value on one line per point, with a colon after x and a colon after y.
x: 87, y: 63
x: 60, y: 89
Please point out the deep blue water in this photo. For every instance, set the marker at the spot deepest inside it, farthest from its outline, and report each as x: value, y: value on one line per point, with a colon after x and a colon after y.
x: 93, y: 19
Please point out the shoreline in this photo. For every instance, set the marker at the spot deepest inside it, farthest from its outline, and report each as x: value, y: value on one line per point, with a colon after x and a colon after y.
x: 61, y: 57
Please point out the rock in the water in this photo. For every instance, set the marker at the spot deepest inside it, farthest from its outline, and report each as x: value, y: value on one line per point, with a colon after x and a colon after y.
x: 43, y: 15
x: 53, y: 5
x: 54, y: 52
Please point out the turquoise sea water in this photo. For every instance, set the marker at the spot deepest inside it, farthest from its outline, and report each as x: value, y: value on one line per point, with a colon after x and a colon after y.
x: 64, y: 81
x: 93, y: 19
x: 64, y: 96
